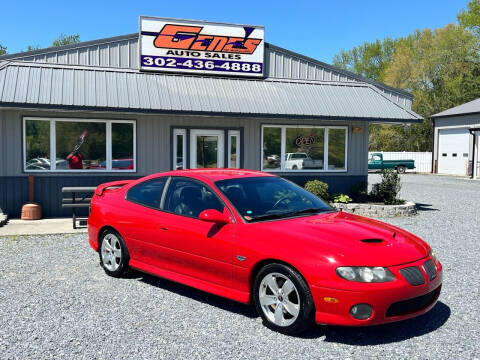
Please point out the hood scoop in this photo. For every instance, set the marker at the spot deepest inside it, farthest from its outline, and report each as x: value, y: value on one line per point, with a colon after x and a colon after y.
x: 372, y: 241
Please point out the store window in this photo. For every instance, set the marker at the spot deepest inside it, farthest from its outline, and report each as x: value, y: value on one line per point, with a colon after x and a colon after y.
x: 37, y: 141
x: 79, y: 144
x: 296, y: 148
x: 234, y: 149
x: 304, y: 149
x: 272, y: 148
x: 179, y: 149
x: 336, y: 149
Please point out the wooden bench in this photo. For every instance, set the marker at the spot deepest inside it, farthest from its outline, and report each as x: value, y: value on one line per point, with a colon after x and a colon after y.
x: 80, y: 198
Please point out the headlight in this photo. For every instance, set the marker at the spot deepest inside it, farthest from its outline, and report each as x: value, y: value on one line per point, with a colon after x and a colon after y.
x: 365, y: 274
x: 434, y: 257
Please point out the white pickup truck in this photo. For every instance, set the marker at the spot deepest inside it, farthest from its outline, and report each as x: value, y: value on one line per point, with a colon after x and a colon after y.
x: 299, y: 161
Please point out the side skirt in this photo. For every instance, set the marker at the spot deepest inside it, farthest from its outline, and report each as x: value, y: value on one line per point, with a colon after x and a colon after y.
x: 222, y: 291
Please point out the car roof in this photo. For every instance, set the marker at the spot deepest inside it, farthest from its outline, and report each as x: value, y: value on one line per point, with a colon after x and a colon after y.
x: 215, y: 174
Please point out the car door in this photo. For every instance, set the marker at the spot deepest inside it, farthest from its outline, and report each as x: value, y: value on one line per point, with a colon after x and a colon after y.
x: 199, y: 249
x: 143, y: 221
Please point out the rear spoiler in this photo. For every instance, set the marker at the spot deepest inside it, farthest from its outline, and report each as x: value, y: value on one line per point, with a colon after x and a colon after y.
x: 112, y: 184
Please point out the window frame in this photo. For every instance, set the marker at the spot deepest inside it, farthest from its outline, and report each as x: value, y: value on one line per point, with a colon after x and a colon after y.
x: 283, y: 148
x: 53, y: 153
x: 162, y: 195
x: 167, y: 188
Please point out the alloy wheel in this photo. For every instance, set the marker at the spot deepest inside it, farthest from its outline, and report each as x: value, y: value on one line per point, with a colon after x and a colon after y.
x: 279, y: 299
x: 111, y: 252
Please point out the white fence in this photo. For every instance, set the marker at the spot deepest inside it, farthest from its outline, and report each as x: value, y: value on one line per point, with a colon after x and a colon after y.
x: 423, y: 160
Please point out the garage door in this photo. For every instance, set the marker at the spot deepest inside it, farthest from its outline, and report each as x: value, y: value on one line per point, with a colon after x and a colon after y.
x: 453, y: 151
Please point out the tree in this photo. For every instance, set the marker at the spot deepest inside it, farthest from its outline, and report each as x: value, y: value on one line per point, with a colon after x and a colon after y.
x: 33, y: 47
x: 439, y: 67
x: 3, y: 50
x: 470, y: 18
x: 368, y: 59
x: 66, y: 40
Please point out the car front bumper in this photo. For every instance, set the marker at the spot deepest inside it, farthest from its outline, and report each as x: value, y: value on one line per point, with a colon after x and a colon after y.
x: 410, y: 301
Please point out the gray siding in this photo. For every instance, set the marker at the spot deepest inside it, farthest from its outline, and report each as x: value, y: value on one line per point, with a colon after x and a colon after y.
x: 153, y: 155
x: 122, y: 52
x: 153, y: 138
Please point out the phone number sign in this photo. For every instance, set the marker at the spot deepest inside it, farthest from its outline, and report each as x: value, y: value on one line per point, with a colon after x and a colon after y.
x: 170, y: 45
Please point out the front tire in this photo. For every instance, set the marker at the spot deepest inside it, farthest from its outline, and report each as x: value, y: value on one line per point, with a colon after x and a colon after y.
x: 114, y: 256
x: 283, y: 299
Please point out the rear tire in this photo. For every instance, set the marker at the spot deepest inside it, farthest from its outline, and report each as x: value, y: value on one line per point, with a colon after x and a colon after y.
x: 283, y: 299
x: 401, y: 169
x: 294, y: 167
x: 113, y: 252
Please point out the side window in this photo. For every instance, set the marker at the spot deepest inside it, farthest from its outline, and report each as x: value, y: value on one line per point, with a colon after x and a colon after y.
x: 189, y: 198
x: 148, y: 193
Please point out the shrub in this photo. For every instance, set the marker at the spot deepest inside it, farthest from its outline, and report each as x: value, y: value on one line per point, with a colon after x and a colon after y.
x: 388, y: 188
x: 318, y: 188
x: 359, y: 191
x: 342, y: 198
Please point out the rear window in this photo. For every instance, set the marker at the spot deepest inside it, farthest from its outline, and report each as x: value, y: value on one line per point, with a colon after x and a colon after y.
x: 148, y: 193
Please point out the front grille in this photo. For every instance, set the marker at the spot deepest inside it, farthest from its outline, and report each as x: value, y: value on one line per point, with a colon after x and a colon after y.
x: 430, y: 269
x: 413, y: 275
x: 412, y: 305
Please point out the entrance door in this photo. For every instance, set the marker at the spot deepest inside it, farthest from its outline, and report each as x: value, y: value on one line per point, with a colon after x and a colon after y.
x: 453, y: 151
x: 206, y: 149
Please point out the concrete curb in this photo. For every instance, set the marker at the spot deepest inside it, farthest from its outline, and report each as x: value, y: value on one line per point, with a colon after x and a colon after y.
x: 380, y: 210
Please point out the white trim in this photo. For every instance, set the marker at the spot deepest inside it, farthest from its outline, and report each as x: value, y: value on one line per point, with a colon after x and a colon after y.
x: 177, y: 132
x: 236, y: 134
x: 283, y: 148
x: 108, y: 144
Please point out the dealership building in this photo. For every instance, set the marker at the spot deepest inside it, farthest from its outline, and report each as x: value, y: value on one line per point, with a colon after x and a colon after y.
x: 181, y: 94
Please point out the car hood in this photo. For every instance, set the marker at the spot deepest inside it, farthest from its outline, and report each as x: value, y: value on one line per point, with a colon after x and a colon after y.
x: 350, y: 239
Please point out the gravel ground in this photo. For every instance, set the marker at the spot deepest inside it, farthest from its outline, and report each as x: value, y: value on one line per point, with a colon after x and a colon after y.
x: 56, y: 302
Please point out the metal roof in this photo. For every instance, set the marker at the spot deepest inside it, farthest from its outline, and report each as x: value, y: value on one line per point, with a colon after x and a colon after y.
x: 31, y: 84
x: 471, y: 107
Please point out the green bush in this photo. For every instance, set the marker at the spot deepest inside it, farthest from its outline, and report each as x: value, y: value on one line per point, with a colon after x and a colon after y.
x: 342, y: 198
x: 388, y: 188
x: 318, y: 188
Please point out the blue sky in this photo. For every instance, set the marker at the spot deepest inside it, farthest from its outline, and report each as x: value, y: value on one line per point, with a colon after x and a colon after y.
x: 318, y: 29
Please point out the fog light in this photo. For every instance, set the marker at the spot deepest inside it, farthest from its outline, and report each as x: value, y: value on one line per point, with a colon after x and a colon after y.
x: 361, y: 311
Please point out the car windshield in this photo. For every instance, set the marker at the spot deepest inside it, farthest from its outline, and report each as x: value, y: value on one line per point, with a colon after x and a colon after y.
x: 268, y: 198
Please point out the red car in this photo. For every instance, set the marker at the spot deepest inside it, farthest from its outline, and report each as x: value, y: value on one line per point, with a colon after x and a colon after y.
x: 254, y: 237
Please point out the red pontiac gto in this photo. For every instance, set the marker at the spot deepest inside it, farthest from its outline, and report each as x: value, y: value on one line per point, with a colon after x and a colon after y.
x: 254, y: 237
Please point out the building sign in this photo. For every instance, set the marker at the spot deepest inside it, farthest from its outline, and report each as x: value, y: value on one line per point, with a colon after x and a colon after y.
x: 200, y: 47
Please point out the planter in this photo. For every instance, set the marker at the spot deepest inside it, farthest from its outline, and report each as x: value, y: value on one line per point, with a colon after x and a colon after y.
x: 378, y: 210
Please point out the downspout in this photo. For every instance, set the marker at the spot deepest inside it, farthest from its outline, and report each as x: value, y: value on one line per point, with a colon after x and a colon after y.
x: 474, y: 164
x: 434, y: 153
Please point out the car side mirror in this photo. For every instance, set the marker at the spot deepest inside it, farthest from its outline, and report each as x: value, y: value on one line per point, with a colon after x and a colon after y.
x: 212, y: 215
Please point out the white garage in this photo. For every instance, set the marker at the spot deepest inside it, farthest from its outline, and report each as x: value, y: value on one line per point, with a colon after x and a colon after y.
x: 456, y: 140
x: 453, y: 149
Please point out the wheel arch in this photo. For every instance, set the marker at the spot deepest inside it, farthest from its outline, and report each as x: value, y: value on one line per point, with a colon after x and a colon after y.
x: 103, y: 229
x: 262, y: 263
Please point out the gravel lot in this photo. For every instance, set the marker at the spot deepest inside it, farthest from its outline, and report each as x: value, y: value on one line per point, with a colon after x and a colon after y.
x: 56, y: 302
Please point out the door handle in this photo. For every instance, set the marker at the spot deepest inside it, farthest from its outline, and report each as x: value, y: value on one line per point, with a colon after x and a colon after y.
x: 161, y: 227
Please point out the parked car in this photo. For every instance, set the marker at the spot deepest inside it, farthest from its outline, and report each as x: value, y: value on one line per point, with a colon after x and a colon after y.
x: 376, y: 162
x: 298, y: 161
x: 257, y: 238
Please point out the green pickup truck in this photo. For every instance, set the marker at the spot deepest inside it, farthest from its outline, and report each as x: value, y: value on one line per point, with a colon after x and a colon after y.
x: 376, y: 162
